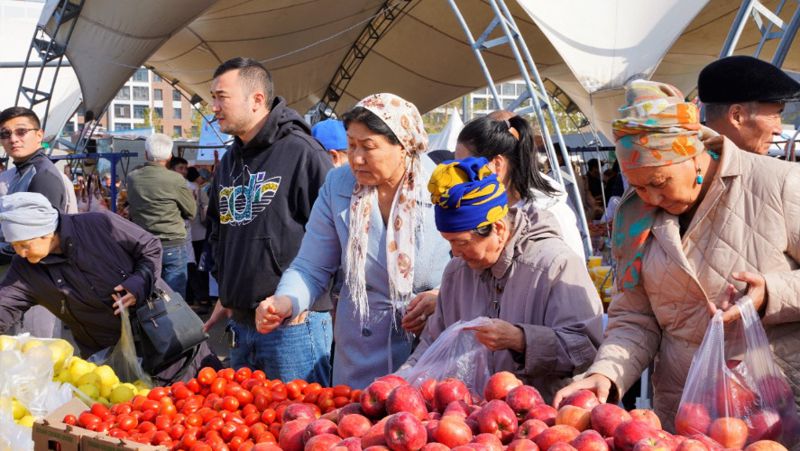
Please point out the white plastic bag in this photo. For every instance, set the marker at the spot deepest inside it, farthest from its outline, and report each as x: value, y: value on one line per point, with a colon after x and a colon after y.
x: 734, y: 378
x: 455, y: 353
x: 122, y: 357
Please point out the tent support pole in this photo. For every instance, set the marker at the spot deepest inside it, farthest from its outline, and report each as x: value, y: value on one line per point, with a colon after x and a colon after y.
x: 764, y: 19
x: 536, y: 93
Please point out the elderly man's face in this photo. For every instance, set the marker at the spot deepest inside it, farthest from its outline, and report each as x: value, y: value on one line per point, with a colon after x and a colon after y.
x: 759, y: 127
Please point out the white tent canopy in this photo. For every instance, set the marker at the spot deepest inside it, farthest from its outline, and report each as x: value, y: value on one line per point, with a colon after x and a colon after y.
x: 448, y: 137
x: 423, y: 56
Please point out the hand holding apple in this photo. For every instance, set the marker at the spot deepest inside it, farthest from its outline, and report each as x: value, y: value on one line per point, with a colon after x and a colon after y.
x: 597, y: 383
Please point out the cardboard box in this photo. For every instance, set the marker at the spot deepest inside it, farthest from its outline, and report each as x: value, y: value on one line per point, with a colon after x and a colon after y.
x: 51, y: 434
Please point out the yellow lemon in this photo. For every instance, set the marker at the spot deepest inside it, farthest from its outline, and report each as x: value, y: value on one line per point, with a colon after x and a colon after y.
x: 106, y: 376
x: 18, y: 410
x: 90, y: 390
x: 89, y: 378
x: 143, y: 392
x: 61, y: 350
x: 7, y: 343
x: 122, y: 393
x: 30, y: 344
x: 26, y: 421
x: 78, y: 367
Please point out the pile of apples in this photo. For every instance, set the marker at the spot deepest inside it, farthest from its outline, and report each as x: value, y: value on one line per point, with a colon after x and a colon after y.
x: 243, y: 411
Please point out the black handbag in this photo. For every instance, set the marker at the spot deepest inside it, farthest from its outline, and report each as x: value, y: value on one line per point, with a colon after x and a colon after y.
x: 166, y: 330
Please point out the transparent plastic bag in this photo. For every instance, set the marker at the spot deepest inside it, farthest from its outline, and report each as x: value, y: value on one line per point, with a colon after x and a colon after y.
x: 738, y: 379
x: 455, y: 353
x: 122, y: 357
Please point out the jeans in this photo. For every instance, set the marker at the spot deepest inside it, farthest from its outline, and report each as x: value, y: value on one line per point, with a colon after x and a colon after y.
x: 299, y: 351
x: 173, y: 268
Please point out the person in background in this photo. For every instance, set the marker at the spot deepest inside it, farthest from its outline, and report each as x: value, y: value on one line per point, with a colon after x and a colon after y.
x: 179, y: 165
x: 704, y: 223
x: 508, y: 145
x: 744, y: 99
x: 259, y: 204
x: 21, y: 136
x: 513, y: 267
x: 159, y: 201
x: 197, y: 286
x: 333, y: 137
x: 374, y: 223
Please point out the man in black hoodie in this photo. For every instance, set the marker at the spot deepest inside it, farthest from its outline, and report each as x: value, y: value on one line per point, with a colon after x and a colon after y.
x: 260, y: 201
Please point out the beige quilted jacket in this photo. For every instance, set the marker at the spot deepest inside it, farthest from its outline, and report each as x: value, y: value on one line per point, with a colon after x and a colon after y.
x: 749, y: 220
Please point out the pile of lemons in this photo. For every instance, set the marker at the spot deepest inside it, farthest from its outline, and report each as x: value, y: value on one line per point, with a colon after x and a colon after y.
x: 99, y: 383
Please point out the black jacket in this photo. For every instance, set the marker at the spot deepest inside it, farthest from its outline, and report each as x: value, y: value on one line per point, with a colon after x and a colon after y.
x: 260, y: 201
x: 99, y: 251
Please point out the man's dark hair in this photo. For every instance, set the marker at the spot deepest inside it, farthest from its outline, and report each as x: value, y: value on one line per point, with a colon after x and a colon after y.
x: 174, y: 161
x: 192, y: 174
x: 252, y: 73
x: 18, y: 111
x: 371, y: 121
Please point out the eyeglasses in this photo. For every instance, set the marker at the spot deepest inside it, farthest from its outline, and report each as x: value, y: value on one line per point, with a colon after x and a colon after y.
x: 18, y: 132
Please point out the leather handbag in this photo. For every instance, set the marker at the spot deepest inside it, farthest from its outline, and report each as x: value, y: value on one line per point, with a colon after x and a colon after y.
x: 166, y: 330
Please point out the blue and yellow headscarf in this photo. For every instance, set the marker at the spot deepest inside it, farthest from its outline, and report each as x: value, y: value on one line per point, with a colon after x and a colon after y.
x: 466, y: 195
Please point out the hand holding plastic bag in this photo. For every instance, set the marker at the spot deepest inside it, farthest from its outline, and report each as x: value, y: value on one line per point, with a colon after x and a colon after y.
x: 455, y: 353
x: 735, y: 388
x: 122, y: 357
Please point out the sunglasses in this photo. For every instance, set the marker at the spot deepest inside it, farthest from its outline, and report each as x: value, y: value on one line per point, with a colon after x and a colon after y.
x: 18, y: 132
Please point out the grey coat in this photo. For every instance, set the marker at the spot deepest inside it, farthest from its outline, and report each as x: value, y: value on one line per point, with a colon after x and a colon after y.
x: 539, y: 285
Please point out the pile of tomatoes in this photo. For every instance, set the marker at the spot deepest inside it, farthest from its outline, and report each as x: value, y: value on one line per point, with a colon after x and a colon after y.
x: 217, y: 410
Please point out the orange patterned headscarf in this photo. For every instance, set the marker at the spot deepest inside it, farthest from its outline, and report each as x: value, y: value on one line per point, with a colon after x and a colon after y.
x: 657, y: 128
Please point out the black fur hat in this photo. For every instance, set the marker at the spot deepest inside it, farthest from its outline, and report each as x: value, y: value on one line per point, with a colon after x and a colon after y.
x: 745, y: 79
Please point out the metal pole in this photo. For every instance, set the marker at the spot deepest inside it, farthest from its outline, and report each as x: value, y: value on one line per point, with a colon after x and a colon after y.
x: 787, y: 38
x: 736, y: 29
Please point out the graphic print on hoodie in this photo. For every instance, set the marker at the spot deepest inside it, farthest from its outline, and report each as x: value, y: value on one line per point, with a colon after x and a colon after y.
x: 240, y: 203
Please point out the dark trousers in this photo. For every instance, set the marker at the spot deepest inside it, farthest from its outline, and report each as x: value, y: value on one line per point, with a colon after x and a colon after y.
x: 197, y: 286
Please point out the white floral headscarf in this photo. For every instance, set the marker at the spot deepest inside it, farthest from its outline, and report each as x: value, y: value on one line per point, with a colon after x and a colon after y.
x: 403, y: 118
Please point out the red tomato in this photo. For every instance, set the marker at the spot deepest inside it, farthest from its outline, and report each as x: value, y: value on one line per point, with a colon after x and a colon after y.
x: 244, y: 397
x: 117, y: 433
x: 127, y: 422
x: 194, y: 420
x: 121, y: 408
x: 227, y: 431
x: 248, y: 409
x: 189, y: 437
x: 168, y: 408
x: 200, y: 447
x: 193, y: 385
x: 226, y: 373
x: 266, y: 436
x: 100, y: 409
x: 150, y: 404
x: 214, y: 424
x: 260, y: 375
x: 70, y: 419
x: 177, y: 431
x: 148, y: 415
x: 206, y: 376
x: 218, y: 386
x: 242, y: 374
x: 252, y: 419
x: 160, y: 438
x: 146, y: 426
x: 156, y: 393
x: 257, y: 429
x: 235, y: 443
x: 242, y: 431
x: 163, y: 422
x: 137, y: 402
x: 268, y: 416
x: 293, y: 390
x: 181, y: 392
x: 262, y: 401
x: 230, y: 403
x: 88, y: 420
x: 247, y: 445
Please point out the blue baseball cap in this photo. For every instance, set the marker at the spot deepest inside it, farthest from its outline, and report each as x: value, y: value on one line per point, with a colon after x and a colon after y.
x: 331, y: 134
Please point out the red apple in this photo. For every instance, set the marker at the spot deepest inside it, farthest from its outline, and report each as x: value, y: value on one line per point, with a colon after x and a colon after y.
x: 530, y: 429
x: 522, y: 444
x: 706, y: 440
x: 630, y: 432
x: 373, y: 398
x: 405, y: 398
x: 427, y: 389
x: 377, y: 448
x: 652, y: 444
x: 352, y: 408
x: 297, y: 411
x: 500, y: 384
x: 692, y: 445
x: 497, y: 418
x: 268, y: 446
x: 561, y: 446
x: 375, y: 434
x: 434, y: 415
x: 692, y: 419
x: 589, y: 440
x: 729, y: 432
x: 647, y: 416
x: 453, y: 431
x: 318, y: 427
x: 433, y: 446
x: 764, y: 425
x: 486, y: 441
x: 458, y: 409
x: 560, y: 433
x: 291, y: 435
x: 736, y: 401
x: 581, y: 398
x: 577, y: 417
x: 393, y: 380
x: 776, y: 392
x: 544, y: 413
x: 430, y: 429
x: 348, y: 444
x: 765, y: 445
x: 405, y: 432
x: 606, y: 417
x: 353, y: 425
x: 450, y: 390
x: 322, y: 442
x: 521, y: 399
